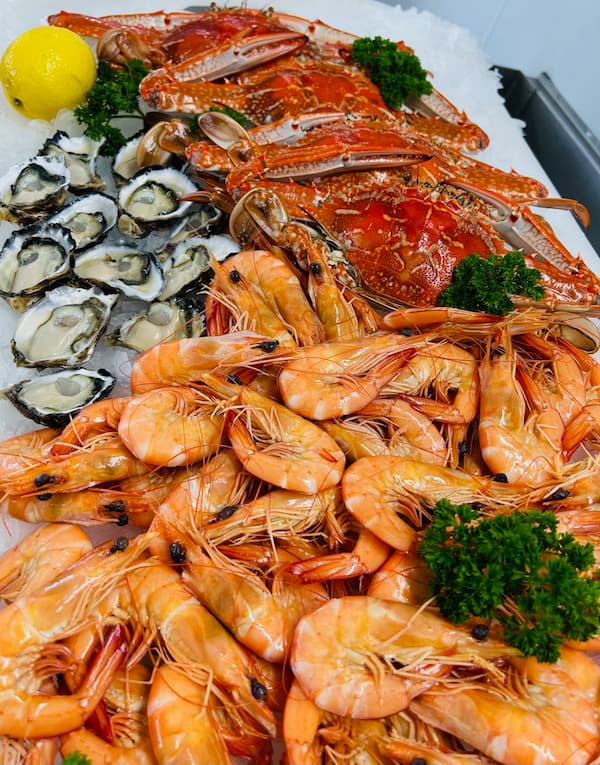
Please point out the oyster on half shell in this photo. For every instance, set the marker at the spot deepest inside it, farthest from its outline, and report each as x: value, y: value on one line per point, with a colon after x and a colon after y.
x: 63, y: 328
x: 34, y: 257
x: 52, y: 399
x: 89, y: 218
x: 80, y: 154
x: 123, y: 267
x: 30, y: 190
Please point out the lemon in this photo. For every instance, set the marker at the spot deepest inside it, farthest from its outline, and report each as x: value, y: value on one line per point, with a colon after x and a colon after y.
x: 47, y: 69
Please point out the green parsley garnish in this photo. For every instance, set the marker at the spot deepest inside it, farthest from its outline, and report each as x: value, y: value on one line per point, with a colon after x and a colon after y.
x: 114, y: 95
x: 396, y: 73
x: 76, y: 758
x: 486, y: 284
x: 517, y: 569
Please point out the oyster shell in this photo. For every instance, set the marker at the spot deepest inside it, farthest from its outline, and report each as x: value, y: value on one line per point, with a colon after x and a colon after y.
x: 52, y: 399
x: 151, y: 198
x: 205, y: 220
x: 123, y: 267
x: 80, y: 154
x: 89, y: 218
x: 34, y: 257
x: 62, y: 328
x: 163, y: 320
x: 125, y: 164
x: 29, y: 190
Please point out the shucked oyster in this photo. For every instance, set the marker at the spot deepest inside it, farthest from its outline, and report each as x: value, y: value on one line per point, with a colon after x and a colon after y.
x: 34, y: 257
x: 52, y: 399
x: 62, y: 328
x: 29, y: 190
x: 88, y: 218
x: 163, y: 320
x: 185, y: 264
x: 151, y: 198
x: 121, y: 266
x: 80, y: 154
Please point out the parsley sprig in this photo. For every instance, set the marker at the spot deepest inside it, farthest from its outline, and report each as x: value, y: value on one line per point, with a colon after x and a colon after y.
x: 488, y: 284
x: 397, y: 73
x: 76, y: 758
x: 517, y: 569
x: 114, y: 95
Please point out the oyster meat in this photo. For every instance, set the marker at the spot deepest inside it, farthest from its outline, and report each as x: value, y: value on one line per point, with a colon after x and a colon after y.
x: 123, y: 267
x: 185, y: 264
x: 63, y: 328
x: 33, y: 258
x: 52, y: 399
x: 89, y: 218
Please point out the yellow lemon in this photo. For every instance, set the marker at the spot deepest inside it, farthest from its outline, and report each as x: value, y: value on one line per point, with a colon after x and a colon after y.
x: 47, y: 69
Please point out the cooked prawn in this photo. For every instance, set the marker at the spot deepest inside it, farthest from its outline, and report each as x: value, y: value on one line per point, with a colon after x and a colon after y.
x: 356, y: 436
x: 403, y: 577
x: 181, y: 721
x: 377, y: 491
x: 261, y: 617
x: 179, y: 362
x: 85, y: 742
x: 330, y: 380
x: 190, y: 428
x: 25, y: 450
x: 191, y: 636
x: 283, y: 291
x: 93, y: 420
x: 345, y: 654
x: 39, y: 557
x: 538, y: 715
x: 526, y: 449
x: 281, y: 447
x: 410, y: 432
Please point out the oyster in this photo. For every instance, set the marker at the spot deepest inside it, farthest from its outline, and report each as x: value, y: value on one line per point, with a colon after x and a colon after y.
x: 89, y: 218
x: 29, y: 190
x: 164, y: 320
x: 123, y: 267
x: 80, y: 154
x: 151, y: 198
x: 34, y: 257
x: 62, y: 328
x: 125, y: 164
x: 52, y: 399
x: 185, y: 263
x: 205, y: 220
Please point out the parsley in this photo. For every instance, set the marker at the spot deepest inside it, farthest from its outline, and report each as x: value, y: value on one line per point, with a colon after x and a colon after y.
x: 486, y: 284
x: 517, y: 569
x: 114, y: 95
x: 76, y: 758
x: 396, y: 73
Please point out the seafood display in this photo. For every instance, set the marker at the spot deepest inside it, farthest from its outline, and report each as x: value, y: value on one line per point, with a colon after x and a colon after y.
x: 299, y: 409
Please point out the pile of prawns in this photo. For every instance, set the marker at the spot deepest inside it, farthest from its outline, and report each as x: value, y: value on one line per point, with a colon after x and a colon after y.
x: 274, y: 478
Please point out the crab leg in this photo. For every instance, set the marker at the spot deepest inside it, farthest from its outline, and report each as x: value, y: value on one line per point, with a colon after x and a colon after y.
x: 156, y: 24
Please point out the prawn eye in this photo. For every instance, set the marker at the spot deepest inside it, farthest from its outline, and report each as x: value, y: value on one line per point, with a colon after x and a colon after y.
x: 500, y: 478
x: 268, y: 346
x: 258, y: 690
x: 315, y: 268
x: 499, y: 350
x: 120, y: 544
x: 463, y: 448
x: 235, y: 276
x: 418, y: 761
x: 123, y: 519
x: 43, y: 478
x: 177, y: 552
x: 233, y: 378
x: 558, y: 495
x: 480, y: 631
x: 44, y: 497
x: 226, y: 512
x: 116, y: 507
x: 395, y: 663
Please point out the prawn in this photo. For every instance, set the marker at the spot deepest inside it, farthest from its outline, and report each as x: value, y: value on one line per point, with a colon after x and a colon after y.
x: 249, y: 307
x: 190, y: 428
x: 192, y: 637
x: 279, y: 514
x: 180, y: 362
x: 281, y: 447
x: 283, y: 291
x: 411, y: 433
x: 23, y: 451
x: 330, y: 380
x: 403, y: 577
x: 93, y: 420
x: 101, y: 459
x: 39, y: 557
x: 262, y: 618
x: 356, y: 436
x: 377, y: 491
x: 364, y: 657
x: 537, y: 715
x: 181, y: 721
x: 526, y: 449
